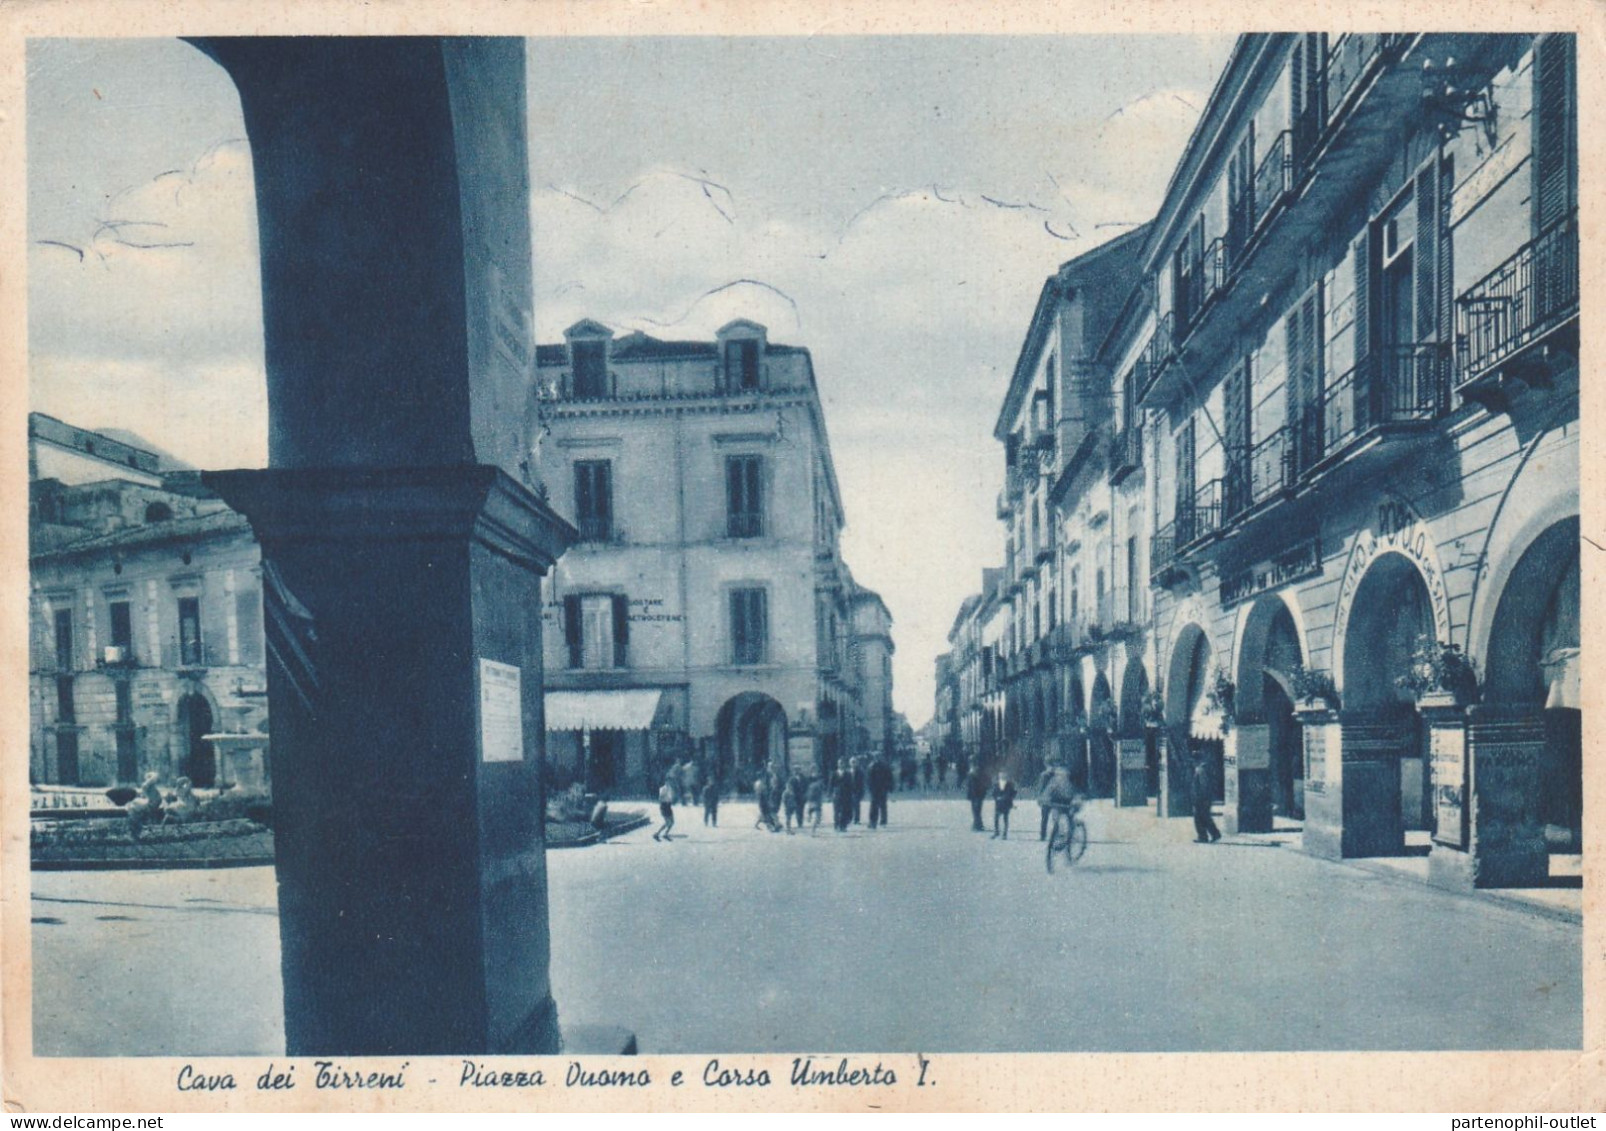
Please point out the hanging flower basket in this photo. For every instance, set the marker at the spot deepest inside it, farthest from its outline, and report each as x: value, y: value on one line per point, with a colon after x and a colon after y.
x: 1313, y: 686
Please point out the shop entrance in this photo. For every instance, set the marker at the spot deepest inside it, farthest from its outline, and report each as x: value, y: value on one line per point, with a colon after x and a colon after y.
x: 1533, y: 664
x: 1386, y: 769
x: 198, y: 762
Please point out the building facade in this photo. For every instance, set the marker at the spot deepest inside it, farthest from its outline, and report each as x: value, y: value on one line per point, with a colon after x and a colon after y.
x: 1342, y: 456
x: 1072, y: 551
x: 706, y: 611
x: 146, y: 634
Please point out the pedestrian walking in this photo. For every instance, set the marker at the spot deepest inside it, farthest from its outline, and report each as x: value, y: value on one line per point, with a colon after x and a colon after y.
x: 792, y: 803
x: 1204, y: 825
x: 766, y: 804
x: 814, y: 803
x: 691, y: 779
x: 858, y: 780
x: 880, y: 783
x: 1003, y: 802
x: 842, y: 802
x: 976, y: 790
x: 666, y: 809
x: 711, y: 803
x: 925, y: 771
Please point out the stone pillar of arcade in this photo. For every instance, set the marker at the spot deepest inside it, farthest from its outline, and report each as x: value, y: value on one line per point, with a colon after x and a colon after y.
x: 1485, y: 766
x: 402, y: 545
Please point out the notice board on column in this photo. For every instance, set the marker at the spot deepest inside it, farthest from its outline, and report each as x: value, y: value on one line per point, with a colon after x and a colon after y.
x: 501, y: 712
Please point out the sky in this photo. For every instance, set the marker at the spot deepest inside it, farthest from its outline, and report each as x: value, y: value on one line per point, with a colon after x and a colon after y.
x: 893, y: 204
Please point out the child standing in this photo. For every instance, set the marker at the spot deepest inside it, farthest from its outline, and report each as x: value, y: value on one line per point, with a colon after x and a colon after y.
x: 1003, y: 802
x: 666, y: 807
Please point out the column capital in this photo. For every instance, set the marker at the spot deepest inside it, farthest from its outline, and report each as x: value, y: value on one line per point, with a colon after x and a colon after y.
x: 397, y: 504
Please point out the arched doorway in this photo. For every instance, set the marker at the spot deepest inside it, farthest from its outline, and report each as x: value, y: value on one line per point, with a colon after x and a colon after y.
x: 1134, y: 689
x: 750, y: 731
x: 1533, y: 664
x: 1269, y: 739
x: 1101, y: 740
x: 1075, y: 753
x: 1193, y: 734
x: 1385, y: 774
x: 197, y: 761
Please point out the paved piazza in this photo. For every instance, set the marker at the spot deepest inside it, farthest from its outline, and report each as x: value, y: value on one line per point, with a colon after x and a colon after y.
x: 919, y: 937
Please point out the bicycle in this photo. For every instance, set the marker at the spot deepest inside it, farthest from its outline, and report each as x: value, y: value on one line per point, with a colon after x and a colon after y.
x: 1067, y: 836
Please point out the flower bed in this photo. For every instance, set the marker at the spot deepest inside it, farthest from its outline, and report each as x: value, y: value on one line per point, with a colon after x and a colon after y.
x: 109, y: 843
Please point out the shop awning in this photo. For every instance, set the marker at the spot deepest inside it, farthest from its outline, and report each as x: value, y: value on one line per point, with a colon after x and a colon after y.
x: 1205, y: 723
x: 1562, y: 676
x: 624, y: 708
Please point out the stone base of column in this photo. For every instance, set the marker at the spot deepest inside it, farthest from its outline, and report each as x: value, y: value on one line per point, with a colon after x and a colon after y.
x: 1323, y: 833
x: 1132, y: 773
x: 403, y: 623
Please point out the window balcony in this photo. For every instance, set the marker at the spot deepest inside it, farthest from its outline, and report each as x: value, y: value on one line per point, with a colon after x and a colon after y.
x: 1163, y: 555
x: 1271, y: 468
x: 1274, y: 178
x: 1508, y: 320
x: 1398, y: 386
x: 1203, y: 519
x: 1214, y: 271
x: 1349, y: 60
x: 1126, y: 453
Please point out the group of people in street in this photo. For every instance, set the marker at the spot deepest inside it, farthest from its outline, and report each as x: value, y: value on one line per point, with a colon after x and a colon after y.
x: 1053, y: 788
x: 787, y: 801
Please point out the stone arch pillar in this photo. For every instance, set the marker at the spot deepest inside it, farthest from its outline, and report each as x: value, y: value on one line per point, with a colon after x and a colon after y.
x: 402, y: 542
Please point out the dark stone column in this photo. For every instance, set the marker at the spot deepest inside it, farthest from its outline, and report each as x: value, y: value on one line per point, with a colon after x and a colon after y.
x: 1132, y: 772
x: 403, y: 625
x: 1176, y: 773
x: 1246, y: 763
x: 1486, y: 796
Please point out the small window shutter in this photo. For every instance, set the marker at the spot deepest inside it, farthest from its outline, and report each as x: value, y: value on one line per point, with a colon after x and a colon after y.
x: 1363, y: 297
x: 582, y: 491
x: 602, y: 491
x: 571, y: 628
x: 1555, y: 96
x: 759, y: 626
x: 1426, y: 260
x: 621, y: 630
x: 733, y: 486
x: 755, y: 469
x: 1236, y: 419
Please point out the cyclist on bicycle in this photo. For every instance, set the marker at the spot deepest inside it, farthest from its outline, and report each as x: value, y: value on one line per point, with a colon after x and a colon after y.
x: 1056, y: 791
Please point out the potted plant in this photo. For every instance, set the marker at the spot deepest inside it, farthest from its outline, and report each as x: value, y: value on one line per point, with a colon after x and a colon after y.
x: 1153, y: 711
x: 1219, y: 699
x: 1313, y: 688
x: 1439, y: 670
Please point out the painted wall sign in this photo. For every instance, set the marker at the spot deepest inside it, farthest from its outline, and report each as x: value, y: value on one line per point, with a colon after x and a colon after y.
x: 1396, y: 529
x: 1293, y: 564
x: 501, y: 712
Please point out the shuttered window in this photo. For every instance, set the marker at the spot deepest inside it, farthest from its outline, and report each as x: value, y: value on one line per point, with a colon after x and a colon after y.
x: 1185, y: 482
x: 1304, y: 392
x: 1555, y: 130
x: 590, y: 369
x: 1235, y: 413
x: 749, y: 626
x: 593, y: 499
x: 744, y: 496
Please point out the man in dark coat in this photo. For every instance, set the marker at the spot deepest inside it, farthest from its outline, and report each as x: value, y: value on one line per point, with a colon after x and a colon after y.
x: 880, y: 781
x: 858, y: 789
x: 1204, y: 825
x: 842, y: 800
x: 976, y: 790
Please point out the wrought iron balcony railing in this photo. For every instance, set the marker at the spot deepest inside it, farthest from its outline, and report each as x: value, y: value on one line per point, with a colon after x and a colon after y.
x: 1126, y: 453
x: 1348, y: 59
x: 1271, y: 467
x: 1520, y: 301
x: 595, y: 529
x: 744, y: 524
x: 1395, y: 385
x: 1274, y: 177
x: 1163, y: 550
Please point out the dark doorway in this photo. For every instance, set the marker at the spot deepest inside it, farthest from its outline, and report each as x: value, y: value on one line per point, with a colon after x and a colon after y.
x: 199, y: 763
x: 607, y: 756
